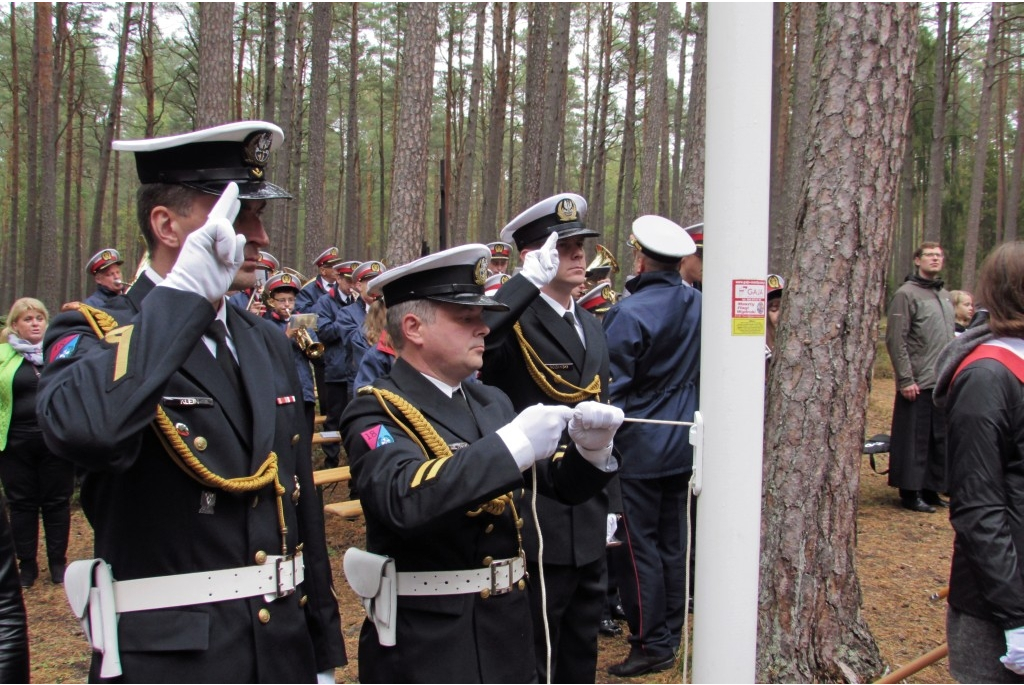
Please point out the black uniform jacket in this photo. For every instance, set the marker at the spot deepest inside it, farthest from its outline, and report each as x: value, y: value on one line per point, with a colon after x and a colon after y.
x: 96, y: 405
x: 425, y: 512
x: 573, y: 535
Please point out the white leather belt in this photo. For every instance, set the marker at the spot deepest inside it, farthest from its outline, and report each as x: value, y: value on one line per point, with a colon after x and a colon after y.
x: 497, y: 578
x: 278, y: 577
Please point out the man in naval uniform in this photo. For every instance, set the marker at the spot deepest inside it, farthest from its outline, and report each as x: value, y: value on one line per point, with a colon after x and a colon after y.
x: 186, y: 415
x: 654, y: 346
x: 441, y: 465
x: 105, y: 268
x: 556, y: 354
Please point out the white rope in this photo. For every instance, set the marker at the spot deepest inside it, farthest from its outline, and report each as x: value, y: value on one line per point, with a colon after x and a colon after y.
x: 685, y: 656
x: 540, y: 572
x: 660, y: 422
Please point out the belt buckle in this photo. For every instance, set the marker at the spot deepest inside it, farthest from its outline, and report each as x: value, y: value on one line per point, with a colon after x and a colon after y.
x: 286, y: 580
x: 495, y: 565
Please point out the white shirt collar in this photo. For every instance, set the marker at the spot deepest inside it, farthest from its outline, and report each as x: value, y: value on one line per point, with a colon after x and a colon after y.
x: 448, y: 390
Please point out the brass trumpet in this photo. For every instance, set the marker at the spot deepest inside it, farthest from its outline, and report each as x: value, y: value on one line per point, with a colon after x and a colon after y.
x: 603, y: 265
x: 313, y: 350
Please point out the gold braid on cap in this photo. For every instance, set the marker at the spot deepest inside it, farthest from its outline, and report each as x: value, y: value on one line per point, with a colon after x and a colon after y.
x: 538, y: 370
x: 180, y: 453
x: 430, y: 442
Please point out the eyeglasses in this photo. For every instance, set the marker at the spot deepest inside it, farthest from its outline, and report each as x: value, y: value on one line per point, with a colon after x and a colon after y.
x: 931, y: 254
x: 284, y: 300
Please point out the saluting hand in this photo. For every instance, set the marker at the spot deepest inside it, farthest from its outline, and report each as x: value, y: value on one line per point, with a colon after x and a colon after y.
x: 211, y: 255
x: 540, y: 266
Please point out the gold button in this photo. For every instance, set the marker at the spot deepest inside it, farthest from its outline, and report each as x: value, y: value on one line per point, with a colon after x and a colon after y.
x: 295, y: 439
x: 261, y: 557
x: 488, y: 560
x: 522, y: 584
x: 304, y: 600
x: 200, y: 443
x: 489, y: 528
x: 485, y: 593
x: 264, y: 616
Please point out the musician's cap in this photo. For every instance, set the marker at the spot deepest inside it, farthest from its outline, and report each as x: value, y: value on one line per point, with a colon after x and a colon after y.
x: 456, y: 275
x: 367, y: 270
x: 209, y: 159
x: 268, y: 262
x: 328, y: 257
x: 562, y: 214
x: 346, y: 268
x: 697, y: 233
x: 598, y: 300
x: 661, y: 239
x: 103, y: 259
x: 500, y: 250
x: 776, y: 284
x: 282, y: 281
x: 494, y: 282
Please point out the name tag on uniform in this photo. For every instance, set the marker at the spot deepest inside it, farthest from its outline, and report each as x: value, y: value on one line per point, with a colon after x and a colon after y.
x: 188, y: 401
x: 559, y: 367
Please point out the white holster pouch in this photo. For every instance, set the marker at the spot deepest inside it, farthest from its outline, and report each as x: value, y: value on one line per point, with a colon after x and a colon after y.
x: 90, y: 589
x: 374, y: 579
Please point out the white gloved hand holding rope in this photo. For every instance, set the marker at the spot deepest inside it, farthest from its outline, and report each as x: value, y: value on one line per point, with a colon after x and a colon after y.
x: 592, y: 427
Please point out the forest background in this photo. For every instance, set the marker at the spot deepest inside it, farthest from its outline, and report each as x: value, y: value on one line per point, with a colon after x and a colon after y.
x: 418, y: 126
x: 604, y: 99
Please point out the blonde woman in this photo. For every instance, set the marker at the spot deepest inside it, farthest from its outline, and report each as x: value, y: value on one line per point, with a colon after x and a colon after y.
x: 36, y: 481
x: 963, y: 309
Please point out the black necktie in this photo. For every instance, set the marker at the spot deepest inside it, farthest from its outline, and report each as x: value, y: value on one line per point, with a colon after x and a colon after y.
x: 570, y: 319
x: 225, y: 360
x: 460, y: 398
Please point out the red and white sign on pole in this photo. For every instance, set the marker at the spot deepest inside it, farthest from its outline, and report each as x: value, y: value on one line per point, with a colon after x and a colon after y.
x: 748, y: 306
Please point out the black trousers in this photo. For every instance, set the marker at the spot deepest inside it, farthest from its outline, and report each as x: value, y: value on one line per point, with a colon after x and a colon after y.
x: 576, y: 596
x: 652, y: 582
x: 337, y: 397
x: 917, y: 448
x: 37, y: 482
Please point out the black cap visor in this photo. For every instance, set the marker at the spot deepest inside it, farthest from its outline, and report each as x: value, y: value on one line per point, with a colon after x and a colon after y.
x: 247, y: 190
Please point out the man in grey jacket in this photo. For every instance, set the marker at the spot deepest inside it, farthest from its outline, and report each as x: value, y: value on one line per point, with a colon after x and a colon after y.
x: 920, y: 324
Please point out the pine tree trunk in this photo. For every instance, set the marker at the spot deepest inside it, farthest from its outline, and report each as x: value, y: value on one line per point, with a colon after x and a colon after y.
x: 677, y: 120
x: 467, y: 161
x: 624, y: 193
x: 693, y: 155
x: 656, y: 115
x: 13, y: 246
x: 810, y: 628
x: 409, y: 185
x: 213, y: 106
x: 47, y: 287
x: 282, y: 159
x: 936, y: 161
x: 555, y: 88
x: 492, y: 165
x: 1013, y: 192
x: 533, y: 113
x: 981, y: 147
x: 353, y: 243
x: 316, y: 166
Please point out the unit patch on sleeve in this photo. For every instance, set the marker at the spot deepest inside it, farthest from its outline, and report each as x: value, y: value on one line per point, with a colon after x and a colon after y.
x: 65, y: 347
x: 377, y: 436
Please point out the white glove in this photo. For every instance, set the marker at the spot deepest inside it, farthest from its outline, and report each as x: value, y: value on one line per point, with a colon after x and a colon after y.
x: 533, y: 435
x: 325, y: 677
x: 592, y: 428
x: 541, y: 265
x: 211, y: 255
x: 612, y: 525
x: 1014, y: 657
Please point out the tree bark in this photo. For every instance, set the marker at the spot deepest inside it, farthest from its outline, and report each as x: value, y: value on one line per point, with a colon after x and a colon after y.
x: 677, y: 118
x: 624, y: 194
x: 282, y: 159
x: 1017, y: 177
x: 981, y: 147
x: 268, y: 110
x: 555, y: 89
x: 693, y: 154
x: 352, y: 242
x: 316, y: 210
x: 409, y: 185
x: 239, y: 72
x: 810, y: 628
x: 47, y: 288
x: 596, y: 219
x: 13, y: 246
x: 213, y: 105
x: 533, y: 113
x: 467, y: 161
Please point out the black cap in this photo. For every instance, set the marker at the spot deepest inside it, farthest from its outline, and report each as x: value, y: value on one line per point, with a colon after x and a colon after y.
x: 456, y: 276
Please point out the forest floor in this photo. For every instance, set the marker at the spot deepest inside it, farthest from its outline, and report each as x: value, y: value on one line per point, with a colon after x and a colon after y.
x: 902, y: 558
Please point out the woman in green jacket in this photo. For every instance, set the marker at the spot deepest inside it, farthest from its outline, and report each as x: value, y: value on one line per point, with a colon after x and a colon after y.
x: 36, y: 481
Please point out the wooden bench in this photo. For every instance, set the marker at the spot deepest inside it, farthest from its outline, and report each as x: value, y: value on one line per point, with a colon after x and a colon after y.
x: 349, y: 509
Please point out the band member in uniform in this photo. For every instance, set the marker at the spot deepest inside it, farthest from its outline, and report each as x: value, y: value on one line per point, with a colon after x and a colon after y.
x: 441, y: 465
x: 282, y: 289
x: 318, y: 287
x: 500, y: 255
x: 251, y: 299
x: 654, y: 345
x: 692, y: 267
x: 105, y: 268
x: 185, y: 415
x: 351, y: 320
x: 343, y: 285
x: 536, y: 355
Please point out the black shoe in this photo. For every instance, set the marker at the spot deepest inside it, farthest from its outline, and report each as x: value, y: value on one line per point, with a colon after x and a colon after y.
x: 918, y: 504
x: 638, y: 664
x: 931, y: 497
x: 609, y: 627
x: 57, y: 573
x: 28, y: 571
x: 618, y: 613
